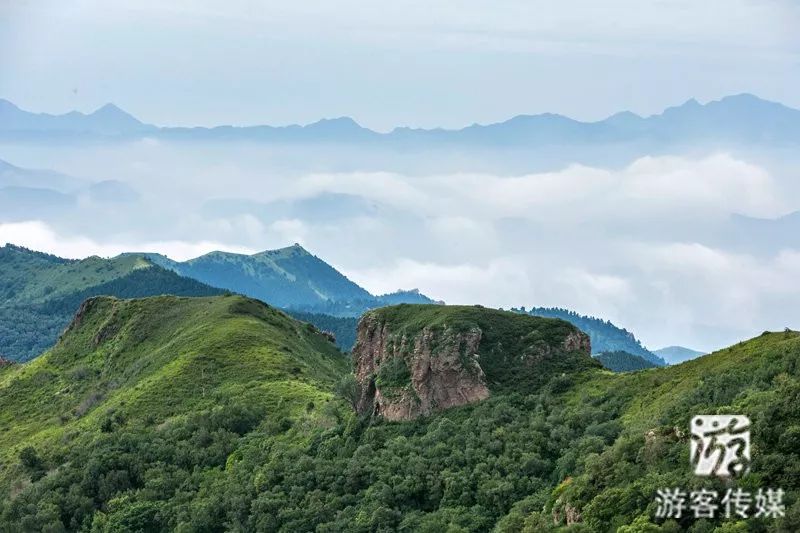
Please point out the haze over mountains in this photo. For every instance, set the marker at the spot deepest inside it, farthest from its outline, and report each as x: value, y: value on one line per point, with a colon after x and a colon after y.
x: 646, y: 221
x: 41, y: 292
x: 289, y: 277
x: 677, y: 354
x: 740, y: 118
x: 169, y: 364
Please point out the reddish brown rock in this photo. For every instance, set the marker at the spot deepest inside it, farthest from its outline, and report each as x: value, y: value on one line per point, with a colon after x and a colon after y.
x: 443, y: 370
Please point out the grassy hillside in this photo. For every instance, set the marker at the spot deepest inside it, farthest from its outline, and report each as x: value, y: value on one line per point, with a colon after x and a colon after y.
x: 212, y: 416
x: 39, y: 293
x: 620, y: 361
x: 124, y: 362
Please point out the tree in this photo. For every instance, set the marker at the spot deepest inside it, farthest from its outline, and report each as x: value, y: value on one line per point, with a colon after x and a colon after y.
x: 349, y: 389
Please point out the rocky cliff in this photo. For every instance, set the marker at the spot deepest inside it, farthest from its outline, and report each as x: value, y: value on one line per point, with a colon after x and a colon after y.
x: 413, y: 360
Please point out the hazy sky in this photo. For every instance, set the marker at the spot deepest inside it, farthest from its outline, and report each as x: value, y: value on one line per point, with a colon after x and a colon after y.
x: 645, y: 240
x: 405, y: 62
x: 644, y: 246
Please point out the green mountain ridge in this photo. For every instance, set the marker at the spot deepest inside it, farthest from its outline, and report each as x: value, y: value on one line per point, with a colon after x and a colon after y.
x: 39, y: 293
x: 290, y: 278
x: 128, y: 356
x: 219, y: 414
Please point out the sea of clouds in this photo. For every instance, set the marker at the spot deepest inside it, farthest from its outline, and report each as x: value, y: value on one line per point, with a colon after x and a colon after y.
x: 648, y: 244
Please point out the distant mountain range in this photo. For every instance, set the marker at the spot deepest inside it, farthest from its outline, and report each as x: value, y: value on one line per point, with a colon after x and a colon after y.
x: 109, y: 120
x: 291, y: 278
x: 738, y: 118
x: 30, y: 193
x: 40, y: 292
x: 674, y: 355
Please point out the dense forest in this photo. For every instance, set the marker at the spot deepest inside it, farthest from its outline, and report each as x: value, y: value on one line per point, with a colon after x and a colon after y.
x: 620, y: 361
x: 254, y: 437
x: 341, y: 327
x: 605, y: 336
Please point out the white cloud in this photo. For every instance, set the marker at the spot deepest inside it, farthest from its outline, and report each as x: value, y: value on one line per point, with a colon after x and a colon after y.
x: 290, y: 230
x: 498, y: 280
x: 37, y: 235
x: 718, y: 183
x: 710, y: 187
x: 634, y: 245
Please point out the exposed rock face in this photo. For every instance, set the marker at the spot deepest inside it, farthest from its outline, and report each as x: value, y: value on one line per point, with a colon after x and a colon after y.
x: 414, y: 360
x: 5, y: 362
x: 443, y: 370
x: 577, y: 342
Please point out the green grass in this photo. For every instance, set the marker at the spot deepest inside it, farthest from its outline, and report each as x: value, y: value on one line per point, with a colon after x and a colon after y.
x: 726, y: 378
x: 160, y: 357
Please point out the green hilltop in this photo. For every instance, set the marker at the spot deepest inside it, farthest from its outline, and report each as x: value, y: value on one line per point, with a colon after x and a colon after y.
x: 605, y: 336
x: 223, y: 414
x: 288, y: 277
x: 150, y: 360
x: 39, y: 292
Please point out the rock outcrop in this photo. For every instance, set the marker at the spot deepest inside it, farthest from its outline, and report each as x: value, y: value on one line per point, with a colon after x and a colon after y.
x: 442, y: 370
x: 407, y: 372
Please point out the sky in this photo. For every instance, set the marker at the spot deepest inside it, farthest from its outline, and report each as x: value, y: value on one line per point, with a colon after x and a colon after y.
x: 405, y: 62
x: 646, y: 240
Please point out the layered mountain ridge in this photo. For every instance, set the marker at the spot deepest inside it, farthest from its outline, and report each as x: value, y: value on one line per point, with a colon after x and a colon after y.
x: 742, y: 118
x: 289, y: 277
x: 39, y: 292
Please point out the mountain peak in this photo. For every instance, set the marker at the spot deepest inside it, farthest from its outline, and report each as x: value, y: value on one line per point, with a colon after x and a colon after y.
x: 109, y: 108
x: 334, y: 125
x: 294, y: 250
x: 112, y: 112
